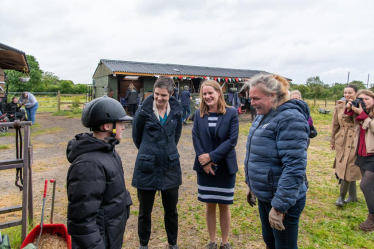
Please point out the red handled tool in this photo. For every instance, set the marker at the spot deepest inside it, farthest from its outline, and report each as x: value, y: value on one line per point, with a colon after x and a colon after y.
x: 41, y: 222
x: 59, y: 229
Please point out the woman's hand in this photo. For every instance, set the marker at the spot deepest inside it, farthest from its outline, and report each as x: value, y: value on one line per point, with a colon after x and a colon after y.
x: 349, y: 105
x: 204, y: 159
x: 358, y: 109
x: 208, y: 168
x: 251, y: 198
x: 276, y: 219
x: 333, y: 146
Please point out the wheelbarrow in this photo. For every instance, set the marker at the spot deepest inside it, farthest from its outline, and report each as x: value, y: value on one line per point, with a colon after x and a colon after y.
x: 58, y: 229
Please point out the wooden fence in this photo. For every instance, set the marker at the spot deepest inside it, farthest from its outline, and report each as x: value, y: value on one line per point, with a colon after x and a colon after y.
x: 59, y: 102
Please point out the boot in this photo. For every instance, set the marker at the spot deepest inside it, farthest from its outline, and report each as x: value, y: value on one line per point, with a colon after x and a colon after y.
x: 225, y: 246
x: 211, y: 245
x: 352, y: 193
x: 344, y: 186
x: 368, y: 224
x: 143, y: 247
x: 173, y: 247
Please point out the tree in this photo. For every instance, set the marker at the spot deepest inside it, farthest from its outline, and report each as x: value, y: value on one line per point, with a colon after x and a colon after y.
x: 304, y: 90
x: 312, y: 81
x: 49, y: 83
x: 14, y: 82
x: 66, y: 86
x: 80, y: 88
x: 336, y: 91
x: 359, y: 84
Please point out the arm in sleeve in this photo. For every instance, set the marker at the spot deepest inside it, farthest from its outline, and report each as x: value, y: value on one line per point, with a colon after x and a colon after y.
x: 178, y: 132
x: 225, y: 147
x: 196, y: 136
x: 137, y: 128
x: 335, y: 125
x: 349, y: 117
x: 85, y: 189
x: 368, y: 124
x: 127, y: 94
x: 246, y: 161
x: 292, y: 137
x: 31, y: 101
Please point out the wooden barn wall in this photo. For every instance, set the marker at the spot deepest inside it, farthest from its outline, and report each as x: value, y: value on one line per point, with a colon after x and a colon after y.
x: 113, y: 86
x: 98, y: 86
x: 101, y: 71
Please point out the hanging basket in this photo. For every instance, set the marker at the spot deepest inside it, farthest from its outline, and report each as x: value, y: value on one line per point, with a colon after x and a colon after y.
x: 24, y: 79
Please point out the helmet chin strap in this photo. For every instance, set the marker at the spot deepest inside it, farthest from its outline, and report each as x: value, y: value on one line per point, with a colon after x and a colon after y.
x: 113, y: 134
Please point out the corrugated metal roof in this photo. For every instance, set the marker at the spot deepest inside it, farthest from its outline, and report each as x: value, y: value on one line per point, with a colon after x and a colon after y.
x: 168, y: 69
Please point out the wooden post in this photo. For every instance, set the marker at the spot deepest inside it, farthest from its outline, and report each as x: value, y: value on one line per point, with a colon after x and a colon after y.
x: 325, y: 102
x: 31, y: 203
x: 25, y: 192
x: 58, y: 101
x: 315, y: 102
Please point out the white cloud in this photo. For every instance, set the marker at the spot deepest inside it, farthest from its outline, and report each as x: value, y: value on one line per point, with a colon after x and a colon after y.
x: 297, y: 39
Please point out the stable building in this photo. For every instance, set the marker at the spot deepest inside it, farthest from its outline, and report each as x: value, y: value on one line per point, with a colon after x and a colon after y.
x: 113, y: 77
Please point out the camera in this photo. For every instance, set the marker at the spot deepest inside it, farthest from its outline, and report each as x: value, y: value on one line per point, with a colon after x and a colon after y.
x: 356, y: 103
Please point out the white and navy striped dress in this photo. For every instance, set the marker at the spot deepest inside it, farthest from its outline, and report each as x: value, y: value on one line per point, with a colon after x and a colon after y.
x: 218, y: 188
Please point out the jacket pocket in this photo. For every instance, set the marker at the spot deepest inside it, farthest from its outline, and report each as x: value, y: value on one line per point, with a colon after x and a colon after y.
x: 174, y: 161
x: 146, y: 163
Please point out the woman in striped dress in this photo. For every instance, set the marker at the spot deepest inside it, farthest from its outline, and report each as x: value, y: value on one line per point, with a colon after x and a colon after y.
x: 215, y: 134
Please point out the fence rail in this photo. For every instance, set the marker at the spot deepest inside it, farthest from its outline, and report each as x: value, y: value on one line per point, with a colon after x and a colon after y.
x: 325, y: 103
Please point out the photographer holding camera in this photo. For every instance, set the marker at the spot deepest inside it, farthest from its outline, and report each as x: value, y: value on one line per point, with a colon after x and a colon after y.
x: 361, y: 112
x: 342, y: 141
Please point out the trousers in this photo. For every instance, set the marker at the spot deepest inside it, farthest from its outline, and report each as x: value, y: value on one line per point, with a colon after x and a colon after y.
x: 169, y: 201
x: 287, y: 238
x: 31, y: 113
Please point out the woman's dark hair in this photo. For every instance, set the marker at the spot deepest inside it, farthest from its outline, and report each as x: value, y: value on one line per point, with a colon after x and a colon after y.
x: 164, y: 82
x: 14, y: 98
x: 354, y: 87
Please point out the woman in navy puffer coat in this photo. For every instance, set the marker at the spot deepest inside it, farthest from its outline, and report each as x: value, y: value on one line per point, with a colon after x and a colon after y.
x: 276, y: 159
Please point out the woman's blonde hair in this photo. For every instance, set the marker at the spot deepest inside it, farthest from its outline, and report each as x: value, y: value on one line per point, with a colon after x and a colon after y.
x: 272, y: 83
x: 221, y: 108
x: 131, y: 86
x: 370, y: 94
x: 296, y: 92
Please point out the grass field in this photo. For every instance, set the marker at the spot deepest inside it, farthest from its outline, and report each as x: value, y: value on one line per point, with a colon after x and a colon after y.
x: 49, y: 103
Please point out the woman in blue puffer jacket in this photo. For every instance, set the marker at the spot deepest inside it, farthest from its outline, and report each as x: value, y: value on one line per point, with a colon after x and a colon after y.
x: 276, y: 159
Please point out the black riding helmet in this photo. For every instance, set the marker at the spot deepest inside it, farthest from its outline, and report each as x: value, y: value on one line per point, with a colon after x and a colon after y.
x: 102, y: 111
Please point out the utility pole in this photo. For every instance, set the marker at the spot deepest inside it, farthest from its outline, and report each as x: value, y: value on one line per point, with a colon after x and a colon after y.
x: 367, y: 85
x: 348, y: 78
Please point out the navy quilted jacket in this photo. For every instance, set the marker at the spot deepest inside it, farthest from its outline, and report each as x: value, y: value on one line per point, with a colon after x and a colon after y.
x: 276, y: 155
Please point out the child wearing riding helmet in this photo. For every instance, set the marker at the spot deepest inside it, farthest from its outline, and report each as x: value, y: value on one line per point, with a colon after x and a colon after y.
x: 99, y: 203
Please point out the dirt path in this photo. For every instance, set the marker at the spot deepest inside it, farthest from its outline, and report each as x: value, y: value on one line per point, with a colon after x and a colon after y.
x: 49, y: 140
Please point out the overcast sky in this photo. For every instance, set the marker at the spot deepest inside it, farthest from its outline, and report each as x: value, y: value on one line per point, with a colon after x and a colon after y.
x: 296, y: 39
